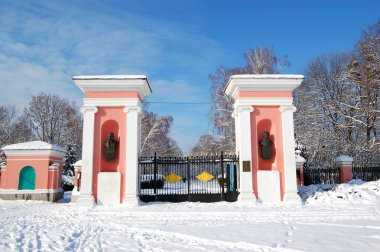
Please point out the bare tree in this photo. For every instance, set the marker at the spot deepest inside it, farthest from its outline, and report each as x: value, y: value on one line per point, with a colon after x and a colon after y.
x: 13, y: 127
x: 259, y: 60
x: 222, y: 108
x: 262, y: 60
x: 364, y: 70
x: 54, y: 119
x: 74, y: 129
x: 338, y: 103
x: 206, y: 144
x: 326, y: 118
x: 155, y: 135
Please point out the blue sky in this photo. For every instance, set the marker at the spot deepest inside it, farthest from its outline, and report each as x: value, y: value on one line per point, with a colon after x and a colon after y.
x: 177, y: 44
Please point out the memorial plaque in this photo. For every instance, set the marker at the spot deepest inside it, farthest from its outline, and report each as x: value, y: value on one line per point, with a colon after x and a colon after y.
x: 246, y: 166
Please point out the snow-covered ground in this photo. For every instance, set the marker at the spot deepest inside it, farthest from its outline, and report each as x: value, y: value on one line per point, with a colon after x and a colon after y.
x: 340, y: 218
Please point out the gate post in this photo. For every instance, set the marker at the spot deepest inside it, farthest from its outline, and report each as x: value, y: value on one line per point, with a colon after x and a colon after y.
x: 86, y: 197
x: 263, y: 110
x: 344, y: 163
x: 132, y: 155
x: 112, y: 108
x: 300, y: 161
x: 222, y: 196
x: 242, y: 117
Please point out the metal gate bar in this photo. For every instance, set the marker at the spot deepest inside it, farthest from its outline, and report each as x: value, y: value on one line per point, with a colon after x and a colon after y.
x: 185, y: 178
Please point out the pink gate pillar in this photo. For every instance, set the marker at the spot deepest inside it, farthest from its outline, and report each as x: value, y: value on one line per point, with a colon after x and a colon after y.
x: 300, y: 161
x: 265, y: 103
x: 111, y: 104
x: 344, y: 163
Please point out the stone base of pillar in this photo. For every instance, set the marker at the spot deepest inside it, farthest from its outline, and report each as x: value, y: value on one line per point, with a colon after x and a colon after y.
x: 131, y: 200
x: 292, y: 198
x: 86, y: 201
x: 247, y: 197
x: 75, y: 195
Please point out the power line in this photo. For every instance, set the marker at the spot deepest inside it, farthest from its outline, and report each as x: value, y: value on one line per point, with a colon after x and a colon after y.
x: 185, y: 103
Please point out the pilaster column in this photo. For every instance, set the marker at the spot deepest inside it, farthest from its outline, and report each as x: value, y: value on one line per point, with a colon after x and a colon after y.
x: 243, y: 128
x: 289, y: 157
x: 3, y: 173
x: 235, y: 116
x: 86, y: 197
x: 132, y: 155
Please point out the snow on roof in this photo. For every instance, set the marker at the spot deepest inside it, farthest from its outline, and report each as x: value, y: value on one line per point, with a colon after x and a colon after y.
x: 78, y: 163
x: 267, y: 76
x: 344, y: 158
x: 34, y: 145
x: 300, y: 159
x: 108, y: 77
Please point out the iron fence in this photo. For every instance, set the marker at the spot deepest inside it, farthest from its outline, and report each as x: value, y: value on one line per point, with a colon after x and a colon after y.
x: 186, y: 178
x: 366, y: 172
x: 316, y: 175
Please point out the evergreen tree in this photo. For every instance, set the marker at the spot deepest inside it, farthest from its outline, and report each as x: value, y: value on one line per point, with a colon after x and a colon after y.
x: 69, y: 160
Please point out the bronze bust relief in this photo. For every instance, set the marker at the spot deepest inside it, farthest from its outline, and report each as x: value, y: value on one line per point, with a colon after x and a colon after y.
x: 266, y: 148
x: 111, y: 145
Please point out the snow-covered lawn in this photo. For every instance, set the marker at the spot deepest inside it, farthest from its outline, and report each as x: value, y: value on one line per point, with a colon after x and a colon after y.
x: 346, y: 218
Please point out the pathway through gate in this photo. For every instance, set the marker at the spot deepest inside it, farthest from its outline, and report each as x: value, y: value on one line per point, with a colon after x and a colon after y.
x: 188, y: 178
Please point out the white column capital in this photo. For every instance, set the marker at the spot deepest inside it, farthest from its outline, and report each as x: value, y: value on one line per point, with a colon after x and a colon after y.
x: 242, y: 108
x: 285, y: 108
x: 89, y: 109
x: 128, y: 109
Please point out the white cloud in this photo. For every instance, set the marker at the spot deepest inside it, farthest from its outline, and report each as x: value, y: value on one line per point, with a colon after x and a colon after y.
x: 20, y: 80
x: 44, y: 44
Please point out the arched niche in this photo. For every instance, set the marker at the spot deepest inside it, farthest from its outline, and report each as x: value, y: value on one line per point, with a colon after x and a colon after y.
x: 27, y: 179
x: 107, y: 127
x: 262, y: 126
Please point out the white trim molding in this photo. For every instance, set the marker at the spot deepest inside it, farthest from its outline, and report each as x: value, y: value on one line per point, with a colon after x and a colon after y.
x: 31, y: 153
x: 111, y: 102
x: 54, y: 166
x: 112, y: 83
x: 262, y: 82
x: 263, y: 101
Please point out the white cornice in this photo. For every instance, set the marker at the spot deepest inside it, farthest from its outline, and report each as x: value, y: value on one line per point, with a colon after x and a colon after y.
x: 19, y: 153
x: 263, y: 101
x: 108, y: 83
x: 262, y: 82
x: 111, y: 102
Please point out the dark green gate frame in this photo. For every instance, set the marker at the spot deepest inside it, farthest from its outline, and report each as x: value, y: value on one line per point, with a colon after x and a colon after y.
x: 27, y: 179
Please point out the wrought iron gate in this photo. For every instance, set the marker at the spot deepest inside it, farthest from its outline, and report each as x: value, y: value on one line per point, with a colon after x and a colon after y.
x: 188, y: 178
